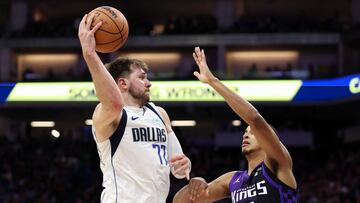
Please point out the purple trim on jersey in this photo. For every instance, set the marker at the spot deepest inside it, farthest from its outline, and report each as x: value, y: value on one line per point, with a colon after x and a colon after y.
x: 272, y: 182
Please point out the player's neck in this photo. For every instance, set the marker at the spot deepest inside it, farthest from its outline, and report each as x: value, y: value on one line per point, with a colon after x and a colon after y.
x: 254, y: 159
x: 131, y: 101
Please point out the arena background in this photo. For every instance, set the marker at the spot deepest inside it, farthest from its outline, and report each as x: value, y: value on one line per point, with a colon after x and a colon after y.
x: 312, y: 44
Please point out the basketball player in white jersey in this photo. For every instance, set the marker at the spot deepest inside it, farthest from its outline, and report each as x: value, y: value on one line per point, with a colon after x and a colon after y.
x: 134, y: 138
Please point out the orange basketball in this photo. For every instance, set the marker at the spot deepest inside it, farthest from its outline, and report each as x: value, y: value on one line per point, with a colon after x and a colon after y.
x: 114, y: 30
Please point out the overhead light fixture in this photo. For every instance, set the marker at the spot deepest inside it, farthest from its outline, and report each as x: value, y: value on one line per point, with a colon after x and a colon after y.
x: 42, y: 124
x: 55, y: 133
x: 88, y: 122
x: 265, y: 54
x: 183, y: 123
x: 236, y: 122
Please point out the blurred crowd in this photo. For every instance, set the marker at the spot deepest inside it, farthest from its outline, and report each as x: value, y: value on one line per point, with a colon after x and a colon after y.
x: 197, y: 25
x: 42, y: 169
x: 299, y: 23
x: 329, y: 176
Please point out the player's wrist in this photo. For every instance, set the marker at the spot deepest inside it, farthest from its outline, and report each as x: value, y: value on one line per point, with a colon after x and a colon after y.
x: 213, y: 80
x: 89, y: 53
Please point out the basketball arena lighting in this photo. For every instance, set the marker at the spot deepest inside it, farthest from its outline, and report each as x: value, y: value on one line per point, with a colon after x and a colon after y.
x: 88, y: 122
x: 42, y: 124
x: 236, y: 122
x: 184, y: 123
x: 265, y: 54
x: 55, y: 133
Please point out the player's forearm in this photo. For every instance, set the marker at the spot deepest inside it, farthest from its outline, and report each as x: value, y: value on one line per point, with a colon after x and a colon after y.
x: 266, y: 138
x: 106, y: 89
x: 241, y: 107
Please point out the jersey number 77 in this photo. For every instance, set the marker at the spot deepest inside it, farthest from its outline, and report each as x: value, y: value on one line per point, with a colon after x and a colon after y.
x: 161, y: 151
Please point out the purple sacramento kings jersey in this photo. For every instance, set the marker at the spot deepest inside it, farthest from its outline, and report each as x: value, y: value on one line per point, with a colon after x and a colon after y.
x: 260, y: 187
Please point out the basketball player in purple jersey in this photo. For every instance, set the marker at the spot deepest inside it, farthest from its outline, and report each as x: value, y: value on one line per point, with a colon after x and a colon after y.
x: 269, y: 177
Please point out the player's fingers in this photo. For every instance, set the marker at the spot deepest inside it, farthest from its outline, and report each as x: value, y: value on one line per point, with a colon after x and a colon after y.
x: 197, y: 50
x: 176, y: 161
x: 197, y: 191
x: 203, y: 55
x: 182, y: 168
x: 200, y: 192
x: 187, y: 172
x: 191, y: 189
x: 183, y: 160
x: 196, y: 74
x: 81, y: 26
x: 97, y: 26
x: 83, y: 21
x: 198, y: 62
x: 198, y: 53
x: 89, y: 20
x: 205, y: 186
x: 173, y: 160
x: 202, y: 189
x: 176, y: 158
x: 207, y: 191
x: 196, y: 59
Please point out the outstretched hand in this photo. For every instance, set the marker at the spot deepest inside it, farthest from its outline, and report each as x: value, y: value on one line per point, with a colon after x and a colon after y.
x: 204, y: 74
x: 86, y: 33
x: 197, y: 187
x: 180, y: 166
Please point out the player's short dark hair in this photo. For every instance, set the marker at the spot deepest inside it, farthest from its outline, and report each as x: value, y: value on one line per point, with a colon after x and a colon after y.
x: 121, y: 67
x: 271, y: 126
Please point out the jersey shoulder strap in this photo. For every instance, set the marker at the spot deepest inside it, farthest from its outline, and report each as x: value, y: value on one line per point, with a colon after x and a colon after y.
x: 153, y: 108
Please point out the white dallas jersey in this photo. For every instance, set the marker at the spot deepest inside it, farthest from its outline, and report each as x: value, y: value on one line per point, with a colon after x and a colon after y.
x: 134, y: 159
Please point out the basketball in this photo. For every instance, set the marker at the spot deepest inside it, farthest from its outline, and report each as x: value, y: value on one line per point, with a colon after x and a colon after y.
x: 114, y: 30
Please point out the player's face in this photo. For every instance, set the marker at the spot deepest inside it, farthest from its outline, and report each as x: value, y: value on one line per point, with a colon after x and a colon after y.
x: 139, y: 85
x: 249, y: 143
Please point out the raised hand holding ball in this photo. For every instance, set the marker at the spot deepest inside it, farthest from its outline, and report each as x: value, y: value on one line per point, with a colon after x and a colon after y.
x: 114, y: 30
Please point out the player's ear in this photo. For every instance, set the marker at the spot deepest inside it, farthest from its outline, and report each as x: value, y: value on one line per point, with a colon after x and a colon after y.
x: 123, y: 83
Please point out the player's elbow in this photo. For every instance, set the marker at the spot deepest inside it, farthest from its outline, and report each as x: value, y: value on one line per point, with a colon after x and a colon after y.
x: 255, y: 118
